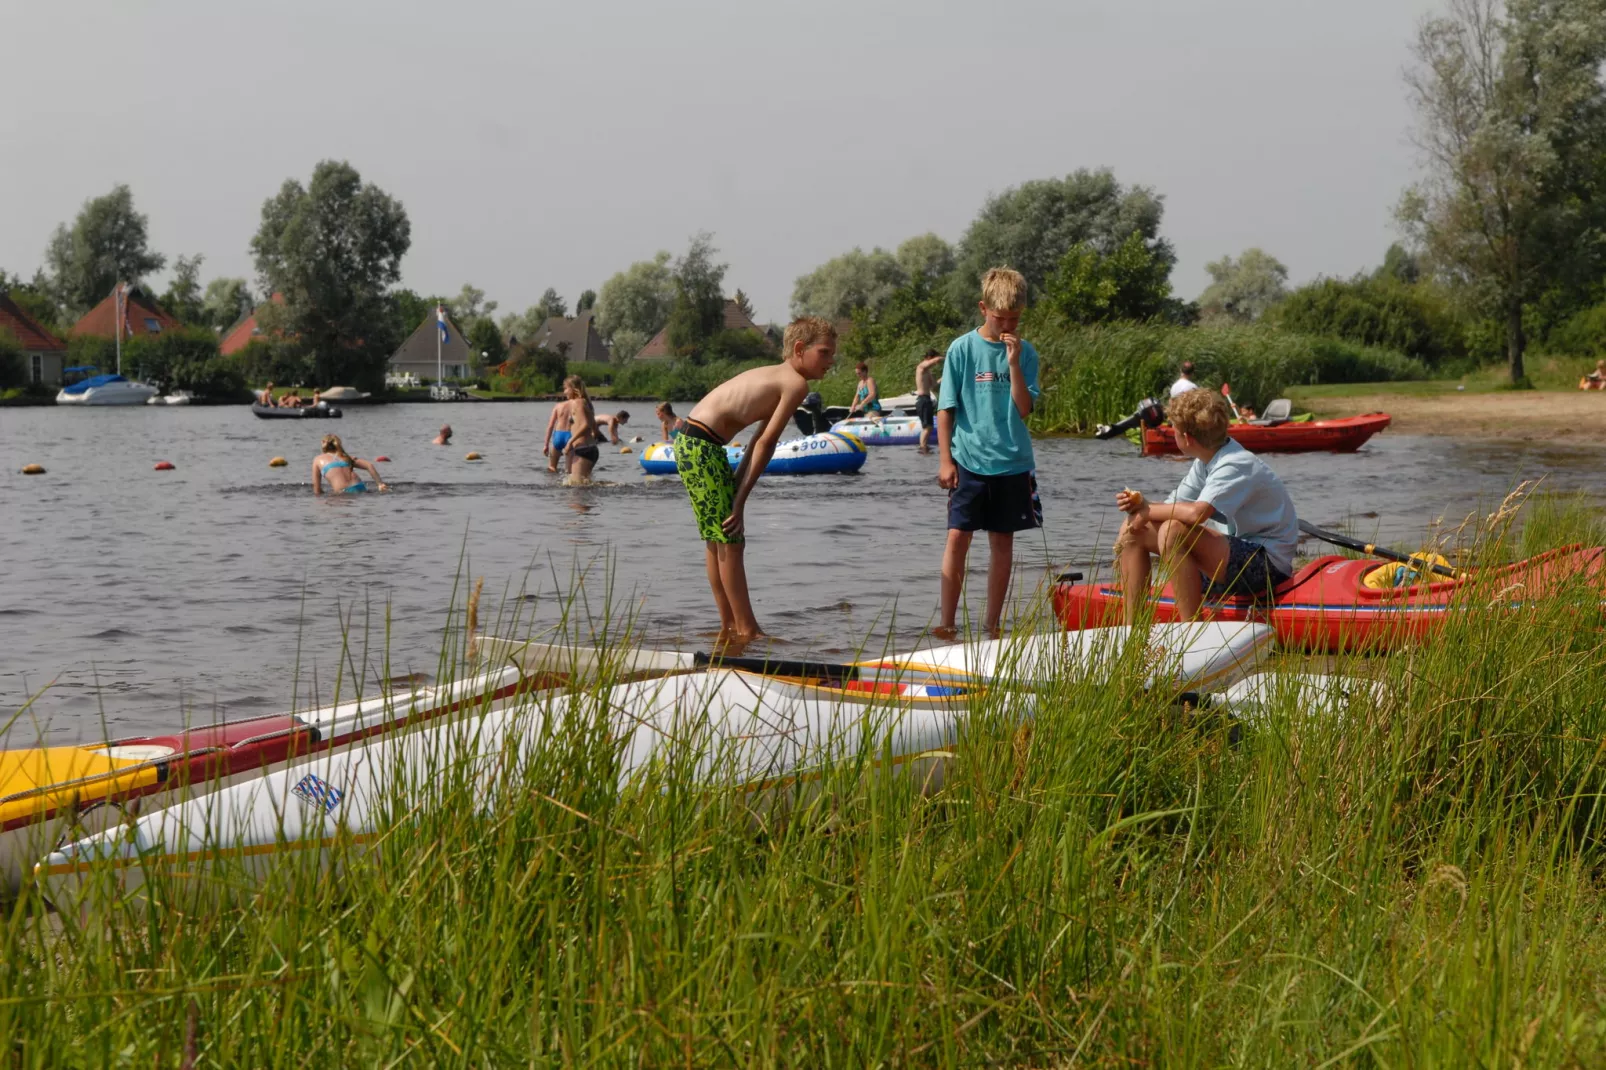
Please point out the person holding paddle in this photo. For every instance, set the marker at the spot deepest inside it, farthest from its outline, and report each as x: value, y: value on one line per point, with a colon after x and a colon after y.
x: 1229, y: 528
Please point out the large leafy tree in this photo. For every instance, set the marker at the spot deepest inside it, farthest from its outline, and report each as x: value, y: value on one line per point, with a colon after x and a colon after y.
x: 333, y: 249
x: 1129, y: 283
x: 108, y: 243
x: 1032, y: 226
x: 1242, y: 290
x: 225, y: 301
x: 856, y: 279
x: 925, y: 256
x: 1510, y: 110
x: 183, y: 297
x: 699, y: 311
x: 552, y: 305
x: 636, y: 302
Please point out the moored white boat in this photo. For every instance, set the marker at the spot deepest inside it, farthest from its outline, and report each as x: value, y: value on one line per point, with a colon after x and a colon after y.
x: 106, y: 390
x: 177, y: 397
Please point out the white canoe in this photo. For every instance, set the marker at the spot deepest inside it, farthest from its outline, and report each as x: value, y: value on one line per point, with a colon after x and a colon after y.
x: 717, y: 728
x: 722, y: 727
x: 1304, y: 693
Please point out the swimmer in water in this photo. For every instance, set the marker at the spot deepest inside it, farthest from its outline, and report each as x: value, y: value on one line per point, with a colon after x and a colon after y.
x: 444, y: 437
x: 559, y: 426
x: 613, y: 424
x: 339, y: 468
x: 582, y: 446
x: 671, y: 423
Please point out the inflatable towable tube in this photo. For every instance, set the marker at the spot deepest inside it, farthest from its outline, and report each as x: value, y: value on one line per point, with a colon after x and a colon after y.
x: 887, y: 431
x: 826, y: 453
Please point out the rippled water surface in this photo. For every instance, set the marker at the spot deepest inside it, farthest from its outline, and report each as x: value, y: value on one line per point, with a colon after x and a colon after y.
x: 142, y: 598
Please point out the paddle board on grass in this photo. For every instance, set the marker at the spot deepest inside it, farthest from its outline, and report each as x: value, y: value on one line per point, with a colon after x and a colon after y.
x: 1311, y: 694
x: 772, y: 739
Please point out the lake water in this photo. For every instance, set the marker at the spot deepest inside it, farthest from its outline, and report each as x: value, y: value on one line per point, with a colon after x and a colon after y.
x: 146, y: 598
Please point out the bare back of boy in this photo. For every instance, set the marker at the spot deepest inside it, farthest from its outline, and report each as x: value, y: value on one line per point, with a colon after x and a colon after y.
x: 771, y: 394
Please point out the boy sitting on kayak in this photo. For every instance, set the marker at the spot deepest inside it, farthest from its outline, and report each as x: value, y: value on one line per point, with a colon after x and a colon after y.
x: 1230, y: 524
x: 719, y: 497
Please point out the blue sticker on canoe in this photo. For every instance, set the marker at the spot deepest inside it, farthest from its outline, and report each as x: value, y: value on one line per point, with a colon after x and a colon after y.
x: 315, y: 790
x: 934, y: 691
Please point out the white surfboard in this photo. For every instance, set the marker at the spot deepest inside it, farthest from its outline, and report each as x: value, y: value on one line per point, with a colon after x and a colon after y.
x: 1306, y: 693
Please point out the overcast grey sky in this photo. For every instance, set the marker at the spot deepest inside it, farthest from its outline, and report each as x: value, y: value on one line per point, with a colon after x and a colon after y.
x: 539, y: 144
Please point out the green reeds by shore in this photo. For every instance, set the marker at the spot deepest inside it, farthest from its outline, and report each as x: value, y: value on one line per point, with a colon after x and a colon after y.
x: 1410, y: 880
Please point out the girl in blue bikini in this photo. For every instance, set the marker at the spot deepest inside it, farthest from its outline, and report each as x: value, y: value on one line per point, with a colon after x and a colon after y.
x: 339, y: 469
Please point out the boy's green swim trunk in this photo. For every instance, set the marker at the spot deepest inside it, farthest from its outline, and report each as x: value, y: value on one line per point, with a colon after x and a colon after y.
x: 710, y: 484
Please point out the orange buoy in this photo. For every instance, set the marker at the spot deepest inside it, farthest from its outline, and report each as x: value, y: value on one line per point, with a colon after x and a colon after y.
x: 33, y: 469
x: 278, y: 462
x: 473, y: 457
x: 381, y: 457
x: 624, y: 449
x: 164, y: 466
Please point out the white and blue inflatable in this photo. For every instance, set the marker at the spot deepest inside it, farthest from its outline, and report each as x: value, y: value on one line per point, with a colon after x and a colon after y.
x: 825, y: 453
x: 887, y: 431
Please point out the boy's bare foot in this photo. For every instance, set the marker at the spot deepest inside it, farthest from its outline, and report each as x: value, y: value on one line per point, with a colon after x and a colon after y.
x: 946, y: 631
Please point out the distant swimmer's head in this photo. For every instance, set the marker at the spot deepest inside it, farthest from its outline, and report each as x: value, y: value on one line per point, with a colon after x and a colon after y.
x: 622, y: 416
x: 809, y: 345
x: 666, y: 411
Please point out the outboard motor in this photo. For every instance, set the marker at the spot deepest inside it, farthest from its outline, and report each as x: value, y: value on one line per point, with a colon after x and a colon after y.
x: 811, y: 418
x: 1149, y: 414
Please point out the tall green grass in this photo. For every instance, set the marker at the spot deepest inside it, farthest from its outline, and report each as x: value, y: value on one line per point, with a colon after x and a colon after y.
x: 1411, y: 880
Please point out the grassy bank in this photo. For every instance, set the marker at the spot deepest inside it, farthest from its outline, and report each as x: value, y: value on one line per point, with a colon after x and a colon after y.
x: 1412, y: 882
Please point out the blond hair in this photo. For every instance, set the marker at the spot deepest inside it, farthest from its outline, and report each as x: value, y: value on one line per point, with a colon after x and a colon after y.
x: 1201, y: 415
x: 331, y: 444
x: 1003, y: 290
x: 810, y: 330
x: 574, y: 382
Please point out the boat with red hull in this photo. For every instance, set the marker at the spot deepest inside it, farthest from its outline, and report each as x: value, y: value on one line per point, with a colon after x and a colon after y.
x: 1334, y: 436
x: 1326, y: 606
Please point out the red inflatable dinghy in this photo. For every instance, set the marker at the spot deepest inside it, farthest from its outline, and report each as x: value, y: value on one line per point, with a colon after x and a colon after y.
x: 1327, y: 607
x: 1335, y: 436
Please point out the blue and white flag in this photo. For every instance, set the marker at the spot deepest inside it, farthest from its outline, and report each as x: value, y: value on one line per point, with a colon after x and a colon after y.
x: 440, y: 321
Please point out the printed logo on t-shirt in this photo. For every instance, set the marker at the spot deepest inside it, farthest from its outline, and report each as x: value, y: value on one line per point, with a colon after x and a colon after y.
x: 992, y: 377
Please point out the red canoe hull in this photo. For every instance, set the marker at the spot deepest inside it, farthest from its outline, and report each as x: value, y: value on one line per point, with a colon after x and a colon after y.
x: 1333, y: 436
x: 1326, y: 607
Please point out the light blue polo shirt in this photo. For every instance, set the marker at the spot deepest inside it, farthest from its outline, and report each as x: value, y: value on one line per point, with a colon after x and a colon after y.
x: 990, y: 438
x: 1250, y: 502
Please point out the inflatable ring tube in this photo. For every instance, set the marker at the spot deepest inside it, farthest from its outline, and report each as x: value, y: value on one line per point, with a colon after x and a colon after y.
x: 888, y: 431
x: 831, y: 452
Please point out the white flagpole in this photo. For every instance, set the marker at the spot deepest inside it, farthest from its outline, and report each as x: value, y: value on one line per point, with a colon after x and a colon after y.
x: 117, y: 323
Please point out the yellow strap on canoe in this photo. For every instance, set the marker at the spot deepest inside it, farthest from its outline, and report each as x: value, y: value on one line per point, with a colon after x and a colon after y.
x: 51, y: 776
x: 1394, y: 574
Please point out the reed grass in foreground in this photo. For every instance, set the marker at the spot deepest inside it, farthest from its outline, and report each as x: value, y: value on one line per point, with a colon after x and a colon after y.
x: 1413, y: 880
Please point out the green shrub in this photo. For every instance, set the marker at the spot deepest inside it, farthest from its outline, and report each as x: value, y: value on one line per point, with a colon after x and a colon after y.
x: 91, y: 351
x: 13, y: 368
x: 1416, y: 320
x: 270, y: 360
x: 1583, y: 335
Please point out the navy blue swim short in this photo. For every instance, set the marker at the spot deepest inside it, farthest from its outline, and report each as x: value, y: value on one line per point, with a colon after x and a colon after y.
x: 1249, y: 572
x: 1004, y: 504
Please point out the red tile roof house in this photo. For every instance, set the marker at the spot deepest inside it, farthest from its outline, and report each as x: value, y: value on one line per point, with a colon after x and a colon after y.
x: 735, y: 320
x: 43, y: 354
x: 245, y: 330
x: 142, y: 315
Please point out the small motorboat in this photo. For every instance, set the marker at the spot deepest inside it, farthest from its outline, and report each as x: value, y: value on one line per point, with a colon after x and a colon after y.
x: 1311, y: 436
x: 1328, y: 607
x: 177, y: 397
x: 824, y: 454
x: 320, y: 411
x: 106, y: 390
x: 885, y: 431
x: 346, y: 395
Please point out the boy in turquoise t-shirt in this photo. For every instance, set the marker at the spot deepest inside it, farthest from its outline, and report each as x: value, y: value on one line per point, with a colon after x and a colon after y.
x: 989, y: 385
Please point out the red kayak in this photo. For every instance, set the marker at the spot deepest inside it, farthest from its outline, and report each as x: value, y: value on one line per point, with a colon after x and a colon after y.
x: 1336, y: 436
x: 1327, y: 607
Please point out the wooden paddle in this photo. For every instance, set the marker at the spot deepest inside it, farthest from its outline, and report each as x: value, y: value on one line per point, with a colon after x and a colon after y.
x: 1373, y: 550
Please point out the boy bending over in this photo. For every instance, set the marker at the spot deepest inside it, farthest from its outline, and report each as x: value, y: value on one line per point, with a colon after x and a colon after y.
x: 1230, y: 524
x: 717, y: 496
x: 988, y: 389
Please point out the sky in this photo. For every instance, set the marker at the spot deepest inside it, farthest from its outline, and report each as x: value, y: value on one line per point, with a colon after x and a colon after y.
x: 537, y: 144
